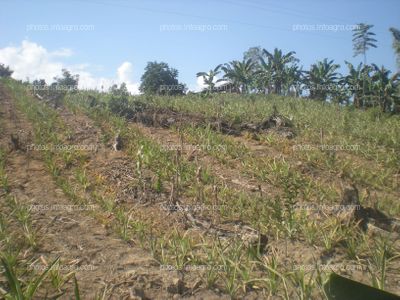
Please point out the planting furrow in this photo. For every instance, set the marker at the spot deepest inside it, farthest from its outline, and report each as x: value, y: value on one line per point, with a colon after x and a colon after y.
x: 102, y: 263
x: 146, y: 175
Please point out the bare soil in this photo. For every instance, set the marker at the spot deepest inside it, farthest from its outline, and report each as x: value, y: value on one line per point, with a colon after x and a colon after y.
x: 84, y: 238
x: 100, y: 259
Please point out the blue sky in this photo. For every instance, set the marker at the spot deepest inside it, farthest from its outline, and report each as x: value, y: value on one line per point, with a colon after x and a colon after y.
x: 124, y: 35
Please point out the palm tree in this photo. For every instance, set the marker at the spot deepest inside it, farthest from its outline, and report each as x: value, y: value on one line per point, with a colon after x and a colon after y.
x: 355, y: 82
x: 240, y: 73
x: 385, y: 88
x: 209, y: 78
x: 276, y: 67
x: 321, y: 79
x: 363, y: 40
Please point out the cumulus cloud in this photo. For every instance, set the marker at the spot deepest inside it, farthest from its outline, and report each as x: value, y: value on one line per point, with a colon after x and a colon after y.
x: 33, y: 61
x: 201, y: 85
x: 30, y: 60
x: 124, y: 74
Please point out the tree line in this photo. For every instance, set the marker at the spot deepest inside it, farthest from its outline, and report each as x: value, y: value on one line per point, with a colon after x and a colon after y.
x: 276, y: 72
x: 264, y: 72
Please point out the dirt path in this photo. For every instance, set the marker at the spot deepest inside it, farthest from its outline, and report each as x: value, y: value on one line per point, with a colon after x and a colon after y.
x: 99, y: 258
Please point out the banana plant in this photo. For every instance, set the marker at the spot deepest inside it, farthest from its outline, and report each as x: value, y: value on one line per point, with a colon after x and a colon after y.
x: 356, y: 82
x: 385, y: 88
x: 277, y: 67
x: 240, y: 74
x: 321, y: 78
x: 209, y: 78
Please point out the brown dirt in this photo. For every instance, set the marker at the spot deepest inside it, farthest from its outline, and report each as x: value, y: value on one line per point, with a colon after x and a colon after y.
x: 118, y: 173
x: 232, y: 176
x: 166, y: 117
x: 126, y: 271
x: 134, y: 269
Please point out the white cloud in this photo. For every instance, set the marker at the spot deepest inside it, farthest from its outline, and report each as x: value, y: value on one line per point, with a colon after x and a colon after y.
x: 200, y: 83
x: 124, y: 74
x: 30, y: 60
x: 33, y: 61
